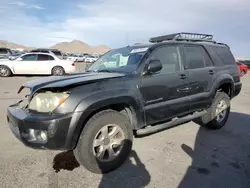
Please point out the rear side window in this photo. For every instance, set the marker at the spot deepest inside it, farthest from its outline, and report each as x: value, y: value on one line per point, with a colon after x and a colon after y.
x: 225, y: 55
x: 43, y: 57
x: 194, y: 57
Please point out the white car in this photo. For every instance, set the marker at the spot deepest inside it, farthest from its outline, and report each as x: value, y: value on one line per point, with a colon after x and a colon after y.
x: 78, y: 58
x: 36, y: 63
x: 90, y: 59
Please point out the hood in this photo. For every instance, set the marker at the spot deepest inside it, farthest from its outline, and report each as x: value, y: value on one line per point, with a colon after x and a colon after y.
x: 68, y: 80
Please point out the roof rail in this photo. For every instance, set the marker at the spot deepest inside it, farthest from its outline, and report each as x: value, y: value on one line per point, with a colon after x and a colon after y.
x: 194, y: 37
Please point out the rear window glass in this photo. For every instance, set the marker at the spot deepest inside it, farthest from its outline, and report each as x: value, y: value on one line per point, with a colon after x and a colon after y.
x: 225, y: 55
x: 57, y: 53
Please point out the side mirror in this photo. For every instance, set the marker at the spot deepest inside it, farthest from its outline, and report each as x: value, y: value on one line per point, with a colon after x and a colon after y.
x: 154, y: 66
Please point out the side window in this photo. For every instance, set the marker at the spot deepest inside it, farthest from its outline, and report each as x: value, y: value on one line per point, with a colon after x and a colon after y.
x: 43, y: 57
x: 207, y: 59
x: 194, y: 57
x: 51, y: 58
x: 169, y: 57
x: 225, y: 55
x: 29, y: 57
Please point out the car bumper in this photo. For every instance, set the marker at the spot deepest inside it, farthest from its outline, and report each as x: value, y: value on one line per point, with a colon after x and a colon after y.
x: 71, y: 69
x: 237, y: 88
x: 28, y: 128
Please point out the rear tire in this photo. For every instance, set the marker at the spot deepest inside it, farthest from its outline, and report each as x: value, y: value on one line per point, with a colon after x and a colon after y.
x: 93, y: 147
x: 217, y: 115
x: 58, y: 71
x: 5, y: 71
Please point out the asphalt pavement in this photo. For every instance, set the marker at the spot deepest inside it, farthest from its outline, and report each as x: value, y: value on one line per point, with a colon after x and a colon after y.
x: 184, y: 156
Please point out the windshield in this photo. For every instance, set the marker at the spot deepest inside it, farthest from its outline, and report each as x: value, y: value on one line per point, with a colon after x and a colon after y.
x: 120, y: 60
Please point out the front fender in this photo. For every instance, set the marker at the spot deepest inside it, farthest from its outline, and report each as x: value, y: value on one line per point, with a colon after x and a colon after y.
x: 101, y: 100
x: 10, y: 66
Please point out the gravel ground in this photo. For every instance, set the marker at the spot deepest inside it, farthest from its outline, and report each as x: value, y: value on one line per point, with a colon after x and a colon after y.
x: 184, y: 156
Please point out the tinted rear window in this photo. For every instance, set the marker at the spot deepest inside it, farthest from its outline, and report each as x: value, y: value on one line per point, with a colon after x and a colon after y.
x: 225, y: 55
x: 57, y: 53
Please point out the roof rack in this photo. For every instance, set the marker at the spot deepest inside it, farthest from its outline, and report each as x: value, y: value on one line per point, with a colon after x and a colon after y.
x: 194, y: 37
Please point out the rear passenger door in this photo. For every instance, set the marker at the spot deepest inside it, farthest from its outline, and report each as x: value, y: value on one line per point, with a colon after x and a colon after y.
x: 201, y: 75
x: 165, y: 93
x: 45, y: 64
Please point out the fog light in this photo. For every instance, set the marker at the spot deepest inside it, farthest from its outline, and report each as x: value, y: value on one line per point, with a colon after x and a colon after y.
x: 43, y: 135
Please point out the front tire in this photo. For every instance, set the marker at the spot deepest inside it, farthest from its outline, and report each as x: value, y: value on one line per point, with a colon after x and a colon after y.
x: 5, y: 71
x: 105, y: 142
x: 217, y: 115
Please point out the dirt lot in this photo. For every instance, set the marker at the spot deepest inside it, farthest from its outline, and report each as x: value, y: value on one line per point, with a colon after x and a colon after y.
x: 184, y: 156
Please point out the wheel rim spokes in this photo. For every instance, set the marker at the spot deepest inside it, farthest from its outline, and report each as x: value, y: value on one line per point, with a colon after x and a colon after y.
x: 108, y: 142
x: 221, y: 110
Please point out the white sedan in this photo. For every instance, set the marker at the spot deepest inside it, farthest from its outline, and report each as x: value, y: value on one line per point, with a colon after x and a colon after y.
x: 78, y: 58
x: 36, y: 63
x: 90, y: 59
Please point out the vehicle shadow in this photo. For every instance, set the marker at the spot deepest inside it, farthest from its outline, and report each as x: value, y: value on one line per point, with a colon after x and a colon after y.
x: 128, y: 175
x: 220, y: 158
x: 132, y: 173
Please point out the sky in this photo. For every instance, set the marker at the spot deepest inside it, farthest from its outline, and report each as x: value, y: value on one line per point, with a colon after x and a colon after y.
x: 115, y: 23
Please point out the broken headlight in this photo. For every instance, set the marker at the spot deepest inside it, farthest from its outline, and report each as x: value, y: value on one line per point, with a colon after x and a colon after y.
x: 47, y: 101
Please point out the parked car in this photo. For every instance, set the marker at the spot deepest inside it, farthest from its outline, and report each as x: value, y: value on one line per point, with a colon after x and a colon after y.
x: 36, y: 63
x: 76, y: 57
x: 90, y: 59
x: 242, y: 68
x: 140, y: 89
x: 53, y: 51
x: 15, y: 55
x: 246, y: 62
x: 5, y: 53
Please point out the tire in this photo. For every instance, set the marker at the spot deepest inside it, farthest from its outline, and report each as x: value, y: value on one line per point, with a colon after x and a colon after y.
x: 58, y: 71
x: 210, y: 120
x: 85, y: 152
x: 5, y: 71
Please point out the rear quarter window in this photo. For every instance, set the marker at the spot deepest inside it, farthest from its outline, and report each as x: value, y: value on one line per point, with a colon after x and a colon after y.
x: 225, y: 55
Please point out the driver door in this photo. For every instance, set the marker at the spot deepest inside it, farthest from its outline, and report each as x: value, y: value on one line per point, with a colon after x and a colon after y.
x: 165, y: 93
x: 25, y: 64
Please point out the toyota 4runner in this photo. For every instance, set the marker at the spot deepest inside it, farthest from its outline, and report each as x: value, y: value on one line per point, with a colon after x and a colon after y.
x: 134, y: 90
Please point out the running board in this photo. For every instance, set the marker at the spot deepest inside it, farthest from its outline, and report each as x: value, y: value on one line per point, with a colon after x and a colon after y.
x: 174, y: 122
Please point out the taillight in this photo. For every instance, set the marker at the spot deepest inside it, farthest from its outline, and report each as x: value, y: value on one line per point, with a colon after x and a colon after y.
x: 73, y: 64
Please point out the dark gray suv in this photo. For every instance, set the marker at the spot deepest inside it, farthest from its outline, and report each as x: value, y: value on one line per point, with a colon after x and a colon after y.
x: 138, y: 89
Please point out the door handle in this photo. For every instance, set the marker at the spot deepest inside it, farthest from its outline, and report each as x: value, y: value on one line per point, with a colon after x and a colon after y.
x: 186, y: 89
x: 211, y: 72
x: 183, y: 76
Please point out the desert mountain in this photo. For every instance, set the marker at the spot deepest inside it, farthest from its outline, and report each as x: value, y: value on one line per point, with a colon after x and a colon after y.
x: 74, y: 46
x: 6, y: 44
x: 77, y: 46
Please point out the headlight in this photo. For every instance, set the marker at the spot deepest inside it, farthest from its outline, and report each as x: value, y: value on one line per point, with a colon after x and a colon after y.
x: 48, y: 101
